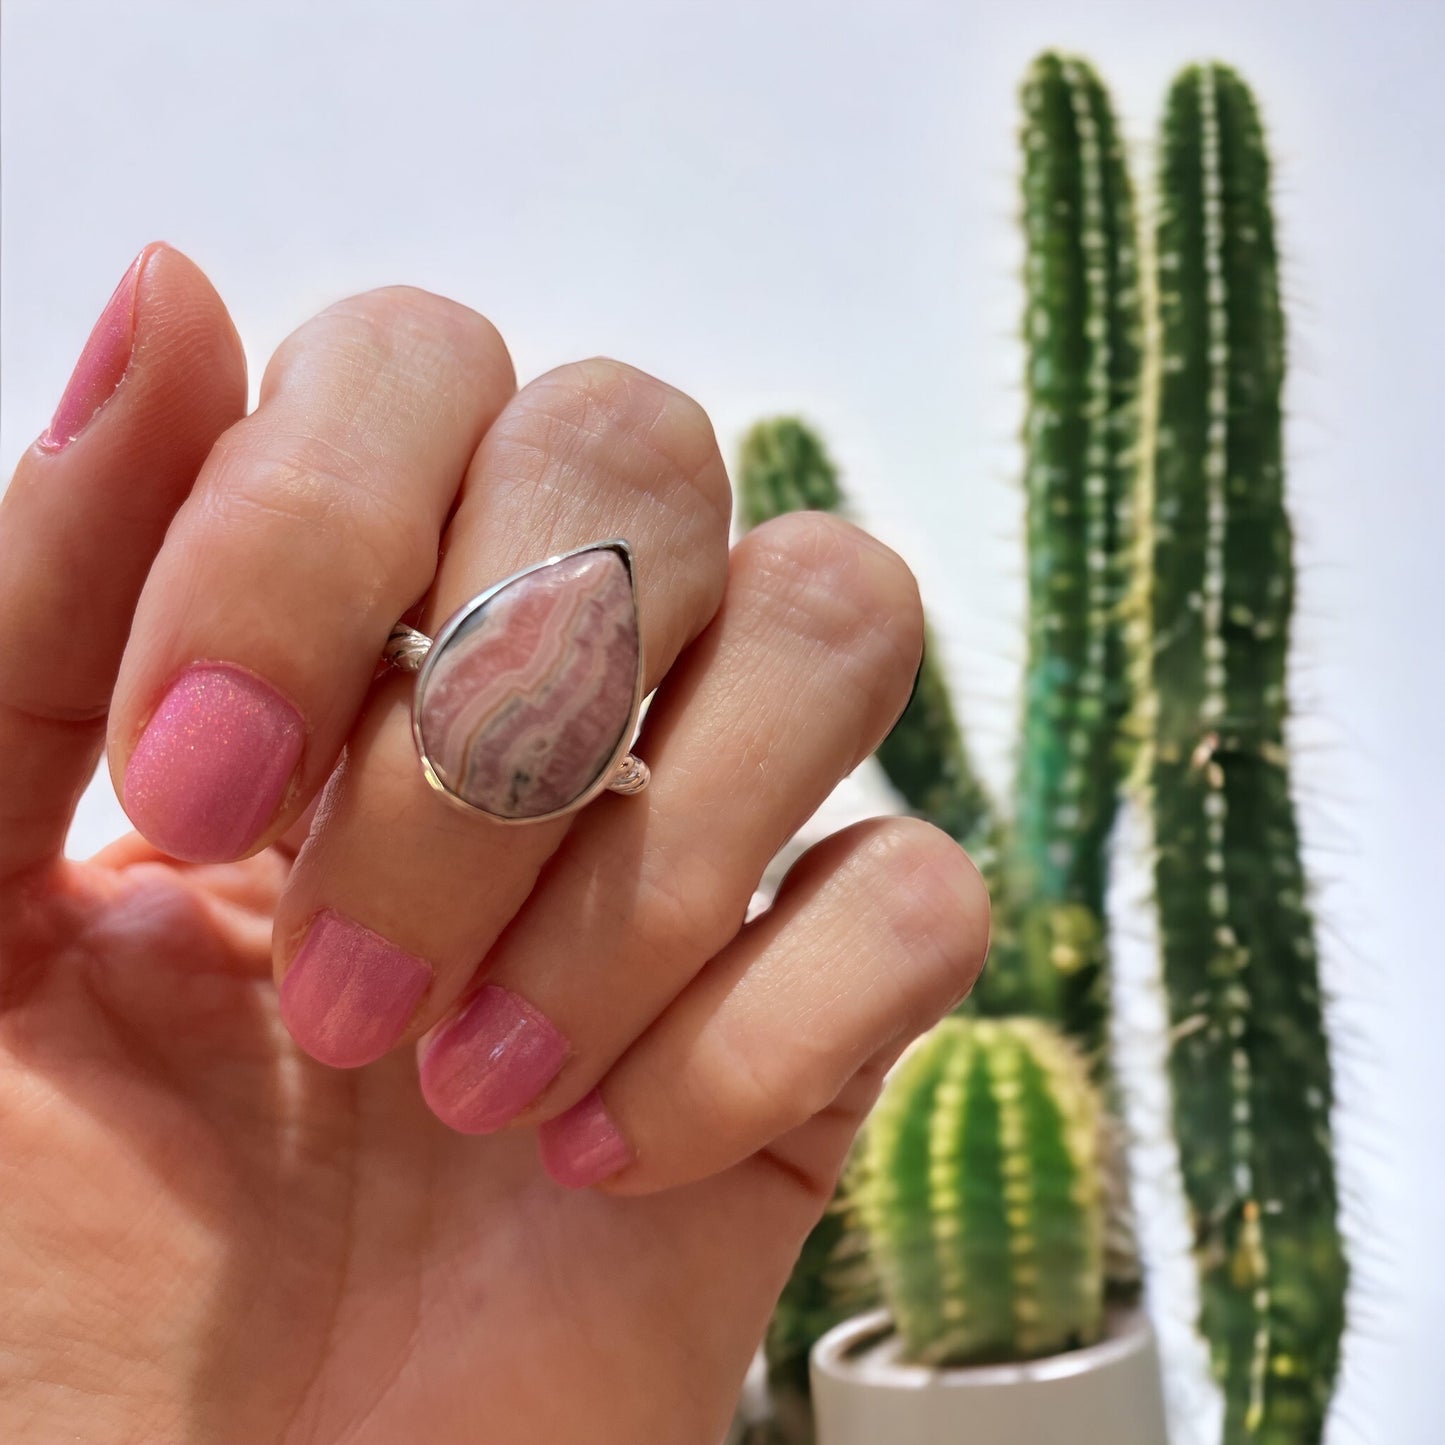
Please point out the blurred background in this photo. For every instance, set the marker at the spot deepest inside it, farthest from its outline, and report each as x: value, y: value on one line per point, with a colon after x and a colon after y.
x: 811, y: 207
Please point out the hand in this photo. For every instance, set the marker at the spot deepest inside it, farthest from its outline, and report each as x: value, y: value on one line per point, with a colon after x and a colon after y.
x: 210, y: 1236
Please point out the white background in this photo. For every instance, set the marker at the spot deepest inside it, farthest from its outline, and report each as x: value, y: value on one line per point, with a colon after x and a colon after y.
x: 809, y: 206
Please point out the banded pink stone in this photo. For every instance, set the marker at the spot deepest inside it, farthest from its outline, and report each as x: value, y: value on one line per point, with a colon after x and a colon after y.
x: 527, y: 702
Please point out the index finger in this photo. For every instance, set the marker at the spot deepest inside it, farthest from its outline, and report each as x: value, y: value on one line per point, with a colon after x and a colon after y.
x: 314, y: 524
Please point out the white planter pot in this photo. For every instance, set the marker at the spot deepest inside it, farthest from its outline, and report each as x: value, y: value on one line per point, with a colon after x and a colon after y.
x: 1107, y: 1394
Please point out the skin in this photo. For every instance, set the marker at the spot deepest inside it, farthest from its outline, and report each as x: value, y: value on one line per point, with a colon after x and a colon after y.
x: 206, y: 1235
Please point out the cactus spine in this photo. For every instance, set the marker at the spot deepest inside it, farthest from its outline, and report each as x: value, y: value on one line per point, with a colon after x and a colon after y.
x: 1249, y: 1063
x: 980, y: 1187
x: 1084, y: 336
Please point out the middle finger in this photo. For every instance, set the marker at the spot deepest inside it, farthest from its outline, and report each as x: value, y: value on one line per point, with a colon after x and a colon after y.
x: 397, y: 894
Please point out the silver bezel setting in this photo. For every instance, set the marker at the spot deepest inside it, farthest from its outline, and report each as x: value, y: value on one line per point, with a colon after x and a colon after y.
x: 459, y: 618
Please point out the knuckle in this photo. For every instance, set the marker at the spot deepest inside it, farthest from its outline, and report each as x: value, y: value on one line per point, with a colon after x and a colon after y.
x: 936, y: 906
x: 842, y: 588
x: 770, y: 1090
x: 307, y: 483
x: 407, y: 305
x: 407, y: 315
x: 398, y: 327
x: 649, y: 432
x: 683, y: 909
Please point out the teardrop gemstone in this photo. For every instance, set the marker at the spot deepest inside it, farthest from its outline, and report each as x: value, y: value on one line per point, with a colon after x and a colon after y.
x: 528, y: 700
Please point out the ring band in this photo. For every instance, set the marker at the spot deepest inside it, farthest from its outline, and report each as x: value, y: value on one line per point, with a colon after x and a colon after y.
x: 526, y: 700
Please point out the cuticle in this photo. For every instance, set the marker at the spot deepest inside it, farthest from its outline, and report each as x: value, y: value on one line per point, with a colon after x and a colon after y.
x: 136, y: 273
x: 294, y: 937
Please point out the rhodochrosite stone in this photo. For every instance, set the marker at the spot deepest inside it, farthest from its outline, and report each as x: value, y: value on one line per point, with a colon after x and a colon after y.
x: 526, y: 703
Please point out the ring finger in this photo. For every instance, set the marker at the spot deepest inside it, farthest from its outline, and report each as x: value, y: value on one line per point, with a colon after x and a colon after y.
x: 800, y: 674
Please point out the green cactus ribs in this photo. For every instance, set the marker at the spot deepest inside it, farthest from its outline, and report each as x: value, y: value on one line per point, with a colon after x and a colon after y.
x: 979, y: 1185
x: 785, y: 469
x: 1249, y: 1064
x: 1084, y: 338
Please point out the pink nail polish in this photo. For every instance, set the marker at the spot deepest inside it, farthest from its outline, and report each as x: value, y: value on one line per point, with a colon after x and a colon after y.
x: 213, y: 764
x: 583, y: 1146
x: 349, y: 993
x: 102, y: 365
x: 487, y: 1064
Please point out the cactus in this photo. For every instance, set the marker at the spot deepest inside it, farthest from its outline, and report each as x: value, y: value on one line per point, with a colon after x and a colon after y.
x: 1046, y: 873
x: 784, y: 468
x: 925, y: 759
x: 979, y: 1184
x: 1249, y: 1062
x: 1209, y: 572
x: 1083, y: 332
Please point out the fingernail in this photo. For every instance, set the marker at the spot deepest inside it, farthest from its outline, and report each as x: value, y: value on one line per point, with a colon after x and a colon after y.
x: 213, y: 764
x: 350, y: 993
x: 103, y: 363
x: 485, y: 1066
x: 583, y: 1146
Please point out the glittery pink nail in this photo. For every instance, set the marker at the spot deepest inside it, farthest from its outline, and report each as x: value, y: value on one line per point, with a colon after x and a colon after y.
x: 102, y: 365
x: 350, y: 993
x: 213, y: 764
x: 583, y: 1146
x: 487, y: 1064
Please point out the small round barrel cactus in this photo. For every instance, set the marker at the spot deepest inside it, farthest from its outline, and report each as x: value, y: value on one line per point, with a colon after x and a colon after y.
x: 979, y: 1181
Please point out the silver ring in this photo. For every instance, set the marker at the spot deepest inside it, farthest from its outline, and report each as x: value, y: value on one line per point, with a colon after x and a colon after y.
x: 526, y: 700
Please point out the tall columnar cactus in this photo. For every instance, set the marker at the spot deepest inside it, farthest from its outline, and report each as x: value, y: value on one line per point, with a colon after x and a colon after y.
x: 1249, y: 1063
x: 979, y: 1184
x: 1213, y: 593
x: 783, y: 468
x: 925, y: 759
x: 1083, y: 331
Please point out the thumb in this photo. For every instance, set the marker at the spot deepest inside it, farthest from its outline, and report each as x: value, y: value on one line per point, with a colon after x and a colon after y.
x: 161, y: 377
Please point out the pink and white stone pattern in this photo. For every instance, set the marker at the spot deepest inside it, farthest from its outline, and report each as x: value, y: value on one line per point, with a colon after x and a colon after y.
x: 527, y: 702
